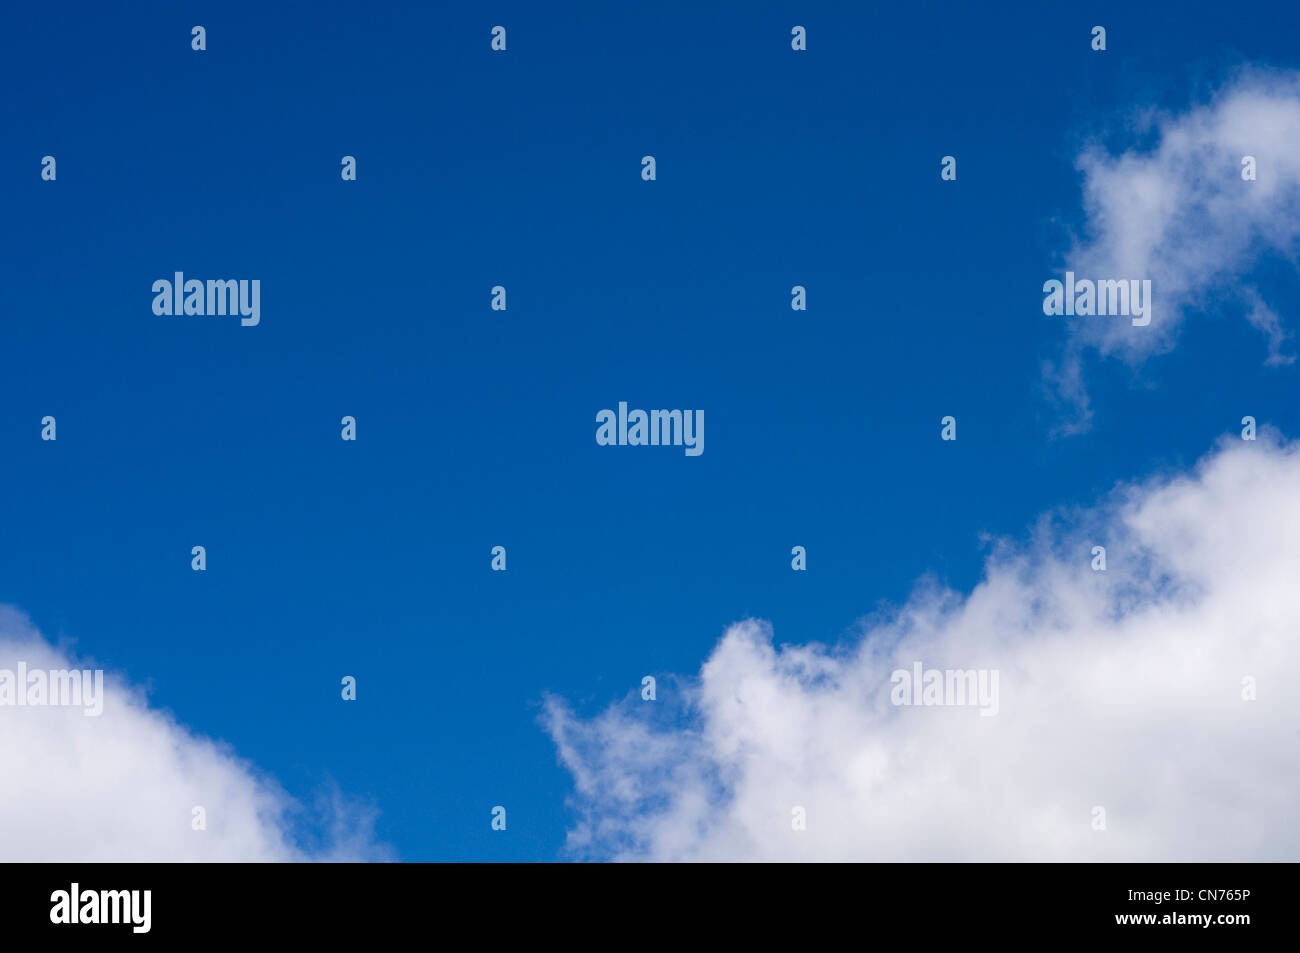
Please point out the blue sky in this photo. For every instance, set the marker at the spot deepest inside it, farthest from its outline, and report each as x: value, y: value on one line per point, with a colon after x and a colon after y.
x: 475, y: 427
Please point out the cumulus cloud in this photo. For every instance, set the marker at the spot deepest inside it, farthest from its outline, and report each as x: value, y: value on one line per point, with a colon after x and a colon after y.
x: 1120, y: 690
x: 1180, y: 214
x: 121, y: 786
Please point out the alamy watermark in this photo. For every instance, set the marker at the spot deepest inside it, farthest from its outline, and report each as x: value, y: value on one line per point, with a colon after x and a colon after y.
x: 657, y: 428
x: 1102, y: 297
x: 53, y: 688
x: 946, y: 687
x: 225, y: 296
x: 130, y: 907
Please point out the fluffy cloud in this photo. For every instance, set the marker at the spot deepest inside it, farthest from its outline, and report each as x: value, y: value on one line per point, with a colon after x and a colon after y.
x: 1180, y: 214
x: 121, y: 786
x: 1121, y: 689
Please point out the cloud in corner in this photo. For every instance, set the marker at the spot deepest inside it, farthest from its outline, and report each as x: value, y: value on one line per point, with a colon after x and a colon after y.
x: 1124, y: 690
x: 1217, y: 194
x: 122, y: 785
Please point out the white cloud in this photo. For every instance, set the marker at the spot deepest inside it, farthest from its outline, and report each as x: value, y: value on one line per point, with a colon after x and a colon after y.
x: 1120, y: 689
x: 121, y: 786
x: 1180, y: 214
